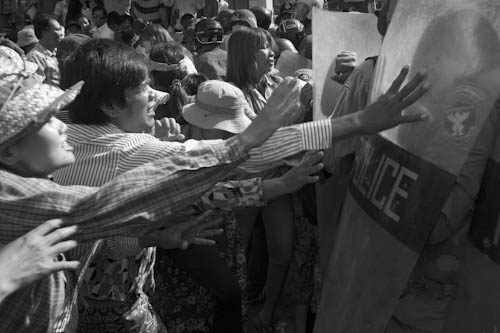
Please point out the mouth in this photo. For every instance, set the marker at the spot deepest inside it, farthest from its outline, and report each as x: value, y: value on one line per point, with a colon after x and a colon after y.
x: 65, y: 145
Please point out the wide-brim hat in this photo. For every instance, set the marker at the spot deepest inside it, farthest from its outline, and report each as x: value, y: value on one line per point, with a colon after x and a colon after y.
x: 16, y: 63
x: 26, y: 37
x: 218, y: 105
x: 25, y: 106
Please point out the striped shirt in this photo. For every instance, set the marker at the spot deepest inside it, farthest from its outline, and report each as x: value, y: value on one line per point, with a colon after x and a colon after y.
x: 127, y: 205
x: 104, y: 152
x: 148, y: 10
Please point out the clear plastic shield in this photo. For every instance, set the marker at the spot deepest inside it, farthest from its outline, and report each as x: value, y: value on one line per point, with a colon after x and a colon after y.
x: 403, y: 177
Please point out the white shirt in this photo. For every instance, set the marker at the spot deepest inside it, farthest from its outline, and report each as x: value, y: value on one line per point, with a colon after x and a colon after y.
x: 104, y: 32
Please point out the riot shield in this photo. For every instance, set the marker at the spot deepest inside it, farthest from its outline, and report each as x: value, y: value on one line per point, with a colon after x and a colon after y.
x: 402, y: 177
x: 335, y: 32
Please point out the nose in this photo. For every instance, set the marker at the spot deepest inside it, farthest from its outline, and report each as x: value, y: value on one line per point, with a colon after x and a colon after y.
x: 151, y: 94
x: 62, y: 127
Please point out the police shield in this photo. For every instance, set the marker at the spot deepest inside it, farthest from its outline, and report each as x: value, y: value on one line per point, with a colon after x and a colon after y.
x: 403, y: 177
x: 336, y: 32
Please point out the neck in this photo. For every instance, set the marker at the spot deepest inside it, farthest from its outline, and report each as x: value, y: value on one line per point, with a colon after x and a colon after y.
x: 47, y: 45
x: 208, y: 48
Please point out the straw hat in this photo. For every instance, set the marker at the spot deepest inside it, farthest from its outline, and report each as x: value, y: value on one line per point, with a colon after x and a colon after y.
x: 218, y: 105
x: 25, y: 105
x: 16, y: 63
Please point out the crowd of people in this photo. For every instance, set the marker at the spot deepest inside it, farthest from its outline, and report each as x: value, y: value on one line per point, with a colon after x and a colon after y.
x: 156, y: 167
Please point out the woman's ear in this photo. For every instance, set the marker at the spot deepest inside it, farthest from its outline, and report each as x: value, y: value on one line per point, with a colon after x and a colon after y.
x: 110, y: 109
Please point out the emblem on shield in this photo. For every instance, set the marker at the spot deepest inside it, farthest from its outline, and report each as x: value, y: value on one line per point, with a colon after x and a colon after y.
x: 460, y: 114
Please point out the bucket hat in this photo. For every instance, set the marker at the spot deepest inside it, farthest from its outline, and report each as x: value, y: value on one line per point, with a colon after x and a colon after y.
x: 218, y: 105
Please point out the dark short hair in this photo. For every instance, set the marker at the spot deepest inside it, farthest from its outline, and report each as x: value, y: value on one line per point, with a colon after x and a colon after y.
x: 108, y: 68
x: 114, y: 19
x: 126, y: 17
x: 192, y: 81
x: 170, y: 81
x: 101, y: 8
x: 41, y: 23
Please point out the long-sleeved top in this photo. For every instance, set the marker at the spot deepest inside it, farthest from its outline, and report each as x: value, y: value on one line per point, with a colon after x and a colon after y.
x: 111, y: 277
x: 126, y: 206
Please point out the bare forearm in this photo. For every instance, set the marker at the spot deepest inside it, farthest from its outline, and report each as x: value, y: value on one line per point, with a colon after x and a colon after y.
x: 273, y: 188
x: 346, y: 127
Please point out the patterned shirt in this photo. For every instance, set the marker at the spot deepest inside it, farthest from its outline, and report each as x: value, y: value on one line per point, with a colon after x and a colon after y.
x: 125, y: 206
x: 47, y: 64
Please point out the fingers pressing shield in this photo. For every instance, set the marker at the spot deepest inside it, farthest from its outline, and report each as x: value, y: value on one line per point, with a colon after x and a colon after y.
x: 396, y: 84
x: 411, y: 86
x: 415, y: 95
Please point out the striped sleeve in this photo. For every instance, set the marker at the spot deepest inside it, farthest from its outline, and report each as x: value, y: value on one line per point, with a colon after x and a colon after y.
x: 317, y: 135
x: 124, y: 206
x: 288, y: 141
x: 121, y: 247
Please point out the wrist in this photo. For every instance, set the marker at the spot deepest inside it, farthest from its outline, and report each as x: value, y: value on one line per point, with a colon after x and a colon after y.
x: 148, y: 240
x: 273, y: 188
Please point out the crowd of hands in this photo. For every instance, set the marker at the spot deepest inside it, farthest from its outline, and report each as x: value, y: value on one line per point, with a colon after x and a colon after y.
x: 39, y: 252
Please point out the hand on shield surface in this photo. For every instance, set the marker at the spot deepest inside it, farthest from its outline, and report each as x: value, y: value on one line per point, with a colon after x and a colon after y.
x: 345, y: 62
x: 386, y: 112
x: 182, y: 234
x: 33, y: 256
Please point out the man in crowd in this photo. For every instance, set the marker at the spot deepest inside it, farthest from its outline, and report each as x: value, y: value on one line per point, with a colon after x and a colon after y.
x: 49, y: 33
x: 100, y: 19
x: 211, y: 59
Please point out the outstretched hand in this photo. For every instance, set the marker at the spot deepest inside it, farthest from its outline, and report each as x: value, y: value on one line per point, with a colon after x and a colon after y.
x: 282, y: 108
x: 305, y: 172
x: 181, y: 235
x: 33, y: 255
x: 167, y: 129
x: 284, y: 104
x: 386, y: 112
